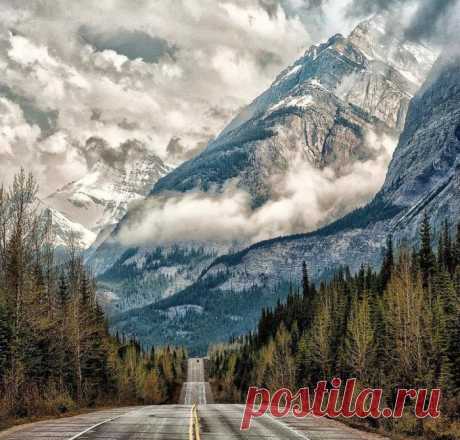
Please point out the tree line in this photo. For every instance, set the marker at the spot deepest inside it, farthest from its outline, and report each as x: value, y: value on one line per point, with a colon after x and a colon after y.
x: 395, y: 327
x: 56, y: 353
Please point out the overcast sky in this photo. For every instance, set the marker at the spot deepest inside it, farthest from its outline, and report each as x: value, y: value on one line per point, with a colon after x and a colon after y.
x: 151, y: 70
x: 163, y: 72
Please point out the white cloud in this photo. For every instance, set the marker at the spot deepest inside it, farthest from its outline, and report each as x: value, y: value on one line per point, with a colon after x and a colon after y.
x: 208, y: 59
x: 23, y: 144
x: 57, y: 143
x: 16, y: 135
x: 109, y: 59
x: 24, y: 52
x: 217, y: 56
x: 305, y: 199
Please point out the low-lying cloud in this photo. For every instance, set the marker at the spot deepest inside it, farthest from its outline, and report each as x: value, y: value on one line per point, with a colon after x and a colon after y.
x: 303, y: 200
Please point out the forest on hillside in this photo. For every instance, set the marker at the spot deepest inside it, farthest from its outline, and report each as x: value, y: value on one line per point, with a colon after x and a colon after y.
x: 56, y: 354
x: 397, y: 327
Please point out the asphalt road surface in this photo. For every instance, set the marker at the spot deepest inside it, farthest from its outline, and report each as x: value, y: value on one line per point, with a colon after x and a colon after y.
x: 196, y: 391
x: 168, y: 422
x: 175, y: 422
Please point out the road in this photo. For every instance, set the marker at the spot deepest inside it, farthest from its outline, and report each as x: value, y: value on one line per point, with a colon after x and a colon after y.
x: 168, y: 422
x: 196, y: 390
x: 176, y: 422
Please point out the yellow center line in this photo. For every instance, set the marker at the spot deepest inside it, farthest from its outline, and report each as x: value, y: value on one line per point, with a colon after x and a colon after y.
x: 194, y: 427
x: 197, y: 424
x: 190, y: 429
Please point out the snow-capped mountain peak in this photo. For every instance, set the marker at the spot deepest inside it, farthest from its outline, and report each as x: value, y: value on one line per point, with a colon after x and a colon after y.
x: 371, y: 52
x: 327, y: 112
x: 115, y: 179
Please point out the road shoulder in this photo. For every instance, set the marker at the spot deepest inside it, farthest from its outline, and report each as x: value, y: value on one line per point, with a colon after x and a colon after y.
x: 84, y: 417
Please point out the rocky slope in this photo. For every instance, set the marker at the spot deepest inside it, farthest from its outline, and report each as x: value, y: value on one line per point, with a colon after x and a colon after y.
x: 115, y: 179
x: 320, y: 111
x: 317, y: 110
x: 424, y: 176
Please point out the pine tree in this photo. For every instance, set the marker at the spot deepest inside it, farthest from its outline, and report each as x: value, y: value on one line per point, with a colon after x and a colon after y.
x: 282, y: 372
x: 456, y: 249
x: 448, y: 260
x: 305, y: 281
x: 320, y: 339
x: 426, y: 256
x: 403, y: 332
x: 388, y: 264
x: 454, y: 350
x: 53, y: 336
x: 404, y: 308
x: 154, y: 389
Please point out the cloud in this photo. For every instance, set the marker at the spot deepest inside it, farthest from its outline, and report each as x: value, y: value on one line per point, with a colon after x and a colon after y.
x: 98, y: 150
x: 178, y: 153
x: 46, y: 120
x: 155, y: 71
x: 144, y: 71
x: 15, y: 133
x: 434, y: 20
x: 132, y: 44
x: 57, y: 143
x: 22, y: 144
x: 303, y: 199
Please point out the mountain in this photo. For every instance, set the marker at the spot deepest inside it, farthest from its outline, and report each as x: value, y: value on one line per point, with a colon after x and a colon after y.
x: 64, y: 228
x: 318, y: 110
x: 326, y: 110
x: 423, y: 177
x: 115, y: 178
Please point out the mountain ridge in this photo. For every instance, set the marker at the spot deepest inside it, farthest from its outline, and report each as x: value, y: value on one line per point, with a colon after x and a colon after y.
x: 319, y: 111
x: 424, y: 177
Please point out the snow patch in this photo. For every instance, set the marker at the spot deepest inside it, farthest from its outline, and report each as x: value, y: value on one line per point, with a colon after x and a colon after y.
x: 64, y: 228
x: 293, y: 101
x: 181, y: 311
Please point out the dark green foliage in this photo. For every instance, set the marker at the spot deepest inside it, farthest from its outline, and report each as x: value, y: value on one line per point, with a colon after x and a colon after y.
x: 388, y: 264
x: 132, y: 282
x: 426, y: 256
x: 212, y: 318
x: 397, y: 327
x: 55, y: 347
x: 305, y: 281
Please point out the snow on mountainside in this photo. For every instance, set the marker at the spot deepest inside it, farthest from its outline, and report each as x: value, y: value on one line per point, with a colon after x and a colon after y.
x: 320, y: 110
x: 326, y: 110
x: 65, y: 229
x: 100, y: 199
x: 424, y: 176
x: 369, y: 48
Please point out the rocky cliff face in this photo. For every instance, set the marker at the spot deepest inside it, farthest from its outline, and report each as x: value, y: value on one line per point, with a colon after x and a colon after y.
x: 321, y: 111
x: 318, y: 110
x: 424, y: 176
